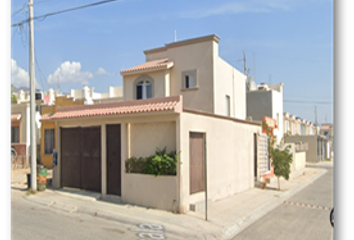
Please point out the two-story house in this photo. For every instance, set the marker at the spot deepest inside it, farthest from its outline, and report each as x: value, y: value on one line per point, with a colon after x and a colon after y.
x: 183, y: 97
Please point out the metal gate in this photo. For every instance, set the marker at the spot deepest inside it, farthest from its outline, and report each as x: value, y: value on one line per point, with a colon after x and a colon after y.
x: 81, y: 158
x: 263, y: 162
x: 196, y: 162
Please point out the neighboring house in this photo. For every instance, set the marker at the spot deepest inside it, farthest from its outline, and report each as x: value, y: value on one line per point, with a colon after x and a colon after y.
x: 48, y: 129
x: 317, y: 146
x: 267, y: 100
x: 296, y: 126
x: 115, y: 94
x: 20, y: 124
x: 327, y: 130
x: 184, y: 97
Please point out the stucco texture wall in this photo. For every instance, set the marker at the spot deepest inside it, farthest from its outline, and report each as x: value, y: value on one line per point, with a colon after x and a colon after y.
x: 230, y: 156
x: 193, y: 57
x: 259, y: 104
x: 131, y: 80
x: 150, y: 191
x: 229, y: 81
x: 146, y: 137
x: 311, y: 153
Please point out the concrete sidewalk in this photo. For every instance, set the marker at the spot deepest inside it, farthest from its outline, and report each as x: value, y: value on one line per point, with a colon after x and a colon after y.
x: 226, y: 217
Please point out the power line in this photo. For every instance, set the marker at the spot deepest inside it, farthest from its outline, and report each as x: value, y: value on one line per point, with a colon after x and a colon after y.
x: 307, y: 102
x: 63, y: 11
x: 80, y: 45
x: 293, y: 59
x: 18, y: 11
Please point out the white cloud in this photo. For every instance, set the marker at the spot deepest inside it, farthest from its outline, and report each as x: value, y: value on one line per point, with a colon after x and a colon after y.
x: 101, y: 71
x: 70, y: 72
x: 19, y: 77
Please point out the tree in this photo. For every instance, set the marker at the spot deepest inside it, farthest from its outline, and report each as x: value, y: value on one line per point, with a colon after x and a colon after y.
x: 13, y: 96
x: 281, y: 158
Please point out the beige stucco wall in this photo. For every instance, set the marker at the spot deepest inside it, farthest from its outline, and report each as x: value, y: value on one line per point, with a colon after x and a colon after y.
x: 146, y: 137
x: 230, y: 156
x: 150, y: 191
x: 158, y: 84
x: 229, y: 81
x: 299, y: 162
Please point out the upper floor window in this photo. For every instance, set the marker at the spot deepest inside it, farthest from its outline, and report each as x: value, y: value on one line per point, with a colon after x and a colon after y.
x: 143, y: 90
x: 228, y: 105
x: 189, y: 79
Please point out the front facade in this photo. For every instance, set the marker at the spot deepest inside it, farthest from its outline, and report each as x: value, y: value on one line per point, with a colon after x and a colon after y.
x: 185, y: 98
x: 94, y: 141
x: 296, y: 126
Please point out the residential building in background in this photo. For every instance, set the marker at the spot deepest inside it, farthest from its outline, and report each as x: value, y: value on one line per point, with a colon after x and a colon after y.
x: 267, y: 100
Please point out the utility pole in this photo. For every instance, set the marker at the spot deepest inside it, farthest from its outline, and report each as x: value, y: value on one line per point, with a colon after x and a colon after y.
x: 32, y: 101
x: 244, y: 63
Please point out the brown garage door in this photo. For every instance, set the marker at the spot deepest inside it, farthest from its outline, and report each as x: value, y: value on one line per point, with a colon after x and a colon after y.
x: 196, y: 162
x: 81, y: 158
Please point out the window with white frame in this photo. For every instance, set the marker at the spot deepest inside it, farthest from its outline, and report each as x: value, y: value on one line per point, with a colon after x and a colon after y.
x: 48, y: 141
x: 189, y: 79
x: 144, y: 90
x: 228, y: 106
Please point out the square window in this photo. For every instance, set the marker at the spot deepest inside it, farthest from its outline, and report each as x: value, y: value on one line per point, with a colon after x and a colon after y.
x: 189, y: 79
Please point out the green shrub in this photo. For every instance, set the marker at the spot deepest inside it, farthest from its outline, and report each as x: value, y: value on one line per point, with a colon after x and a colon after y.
x: 162, y: 163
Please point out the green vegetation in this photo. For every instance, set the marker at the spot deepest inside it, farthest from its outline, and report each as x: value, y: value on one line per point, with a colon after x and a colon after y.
x: 13, y: 96
x: 281, y: 159
x: 162, y: 163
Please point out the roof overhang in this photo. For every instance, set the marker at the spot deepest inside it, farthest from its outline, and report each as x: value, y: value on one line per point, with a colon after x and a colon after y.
x: 15, y: 117
x: 168, y: 66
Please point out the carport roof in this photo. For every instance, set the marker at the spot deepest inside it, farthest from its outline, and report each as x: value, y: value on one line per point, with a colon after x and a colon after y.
x: 173, y: 104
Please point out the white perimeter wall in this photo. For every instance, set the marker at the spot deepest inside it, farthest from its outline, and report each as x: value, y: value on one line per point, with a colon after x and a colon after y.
x: 230, y: 156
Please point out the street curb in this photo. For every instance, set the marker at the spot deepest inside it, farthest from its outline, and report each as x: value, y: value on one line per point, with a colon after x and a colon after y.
x: 240, y: 224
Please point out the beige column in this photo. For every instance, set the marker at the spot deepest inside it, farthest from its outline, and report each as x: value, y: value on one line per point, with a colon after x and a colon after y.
x: 124, y: 155
x: 178, y: 150
x: 103, y: 161
x: 56, y: 170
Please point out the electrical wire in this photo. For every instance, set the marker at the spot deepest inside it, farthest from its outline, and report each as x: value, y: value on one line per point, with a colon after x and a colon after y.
x: 63, y: 11
x: 83, y: 46
x: 307, y: 102
x: 292, y: 59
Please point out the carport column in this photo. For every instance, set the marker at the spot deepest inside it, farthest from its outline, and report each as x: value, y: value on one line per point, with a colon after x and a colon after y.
x: 56, y: 169
x: 124, y: 154
x: 103, y: 161
x: 178, y: 150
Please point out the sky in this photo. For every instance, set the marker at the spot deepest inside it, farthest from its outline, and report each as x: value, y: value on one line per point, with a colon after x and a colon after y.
x: 289, y: 41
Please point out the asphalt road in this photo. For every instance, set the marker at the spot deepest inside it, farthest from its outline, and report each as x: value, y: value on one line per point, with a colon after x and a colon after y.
x: 293, y: 222
x: 32, y: 221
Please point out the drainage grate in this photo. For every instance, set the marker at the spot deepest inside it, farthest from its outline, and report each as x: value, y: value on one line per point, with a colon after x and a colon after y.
x: 307, y: 205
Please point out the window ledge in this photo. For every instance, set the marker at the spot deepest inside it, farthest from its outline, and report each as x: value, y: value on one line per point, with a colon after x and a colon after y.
x: 189, y: 89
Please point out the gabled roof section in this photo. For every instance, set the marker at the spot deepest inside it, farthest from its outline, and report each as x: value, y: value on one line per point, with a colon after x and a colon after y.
x: 166, y: 104
x: 159, y: 64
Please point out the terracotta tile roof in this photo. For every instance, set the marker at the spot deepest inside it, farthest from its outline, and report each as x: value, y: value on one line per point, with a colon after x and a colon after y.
x: 15, y: 117
x: 150, y: 65
x: 118, y: 108
x: 326, y: 126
